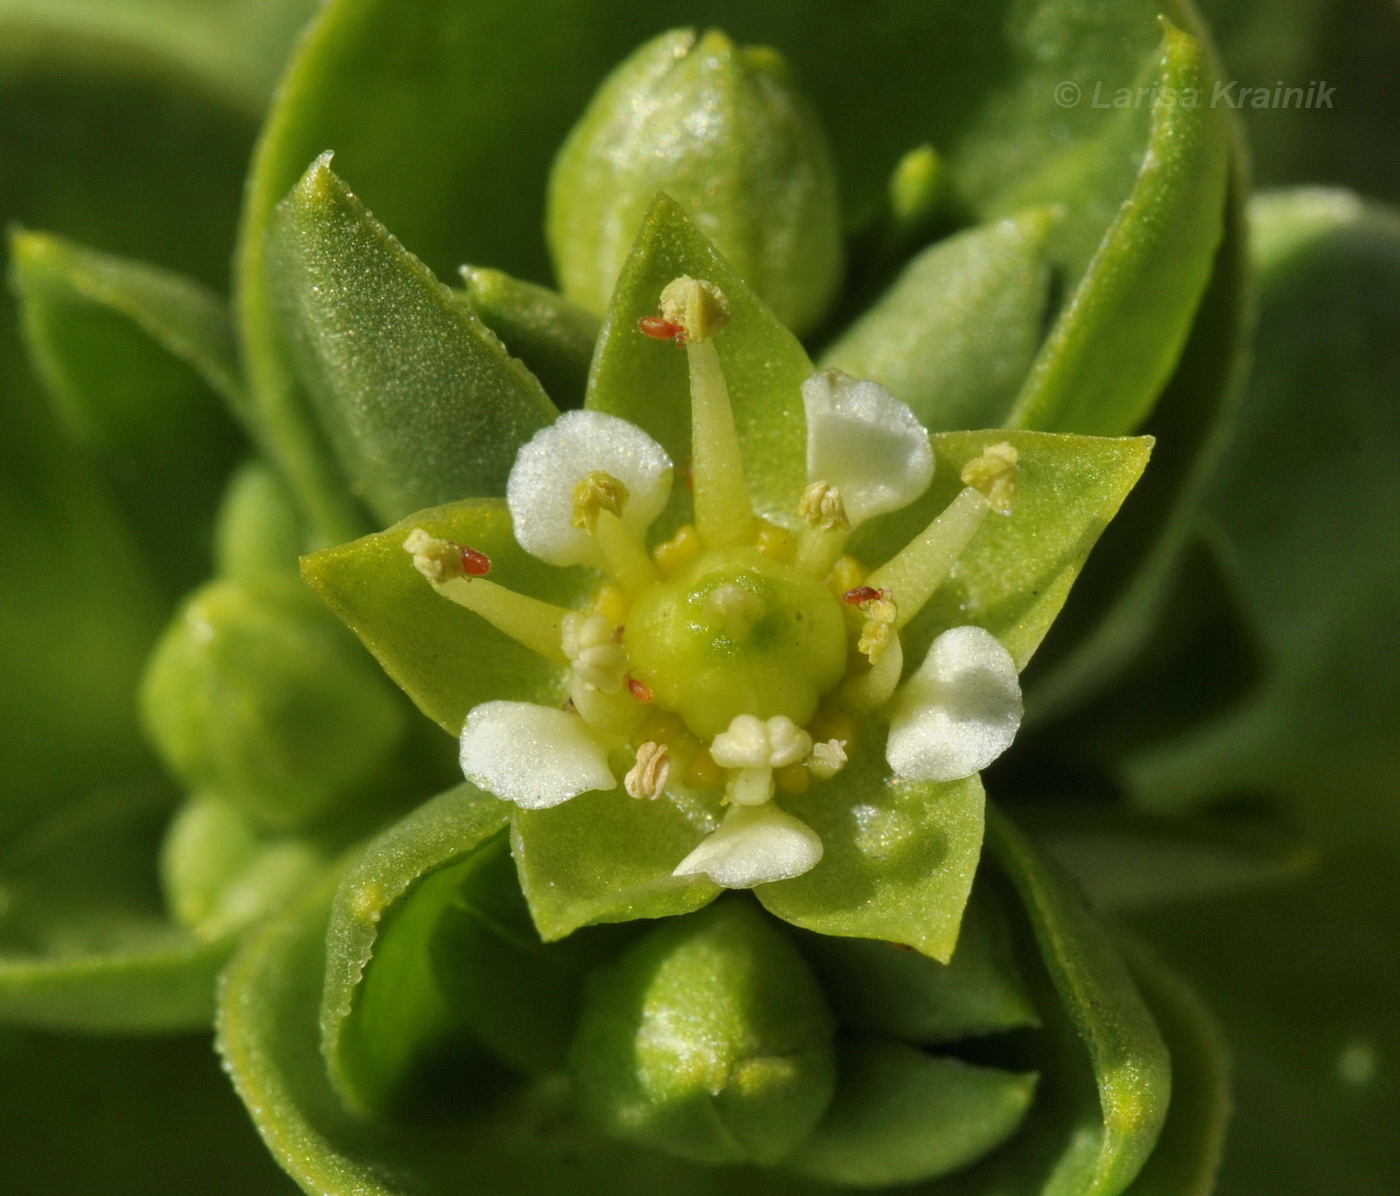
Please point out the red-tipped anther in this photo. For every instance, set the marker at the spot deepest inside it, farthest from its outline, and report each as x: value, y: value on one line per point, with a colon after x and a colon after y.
x: 640, y: 690
x: 861, y: 595
x: 661, y: 329
x: 474, y: 564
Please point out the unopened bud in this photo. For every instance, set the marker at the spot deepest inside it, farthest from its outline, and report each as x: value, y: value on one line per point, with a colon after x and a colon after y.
x: 721, y: 130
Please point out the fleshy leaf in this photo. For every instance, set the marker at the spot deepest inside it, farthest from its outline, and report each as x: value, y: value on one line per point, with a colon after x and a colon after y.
x: 901, y: 1115
x: 129, y: 354
x: 269, y: 1038
x: 899, y: 859
x: 1117, y: 340
x: 1192, y: 1142
x: 646, y: 381
x: 446, y: 658
x: 1131, y: 1066
x: 877, y: 988
x: 552, y: 335
x: 1018, y: 570
x: 607, y: 857
x: 420, y: 401
x: 955, y: 334
x: 385, y: 1009
x: 84, y: 943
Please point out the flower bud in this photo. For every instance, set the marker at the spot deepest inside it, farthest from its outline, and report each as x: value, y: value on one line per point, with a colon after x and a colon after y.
x: 255, y: 696
x: 722, y: 131
x: 709, y: 1039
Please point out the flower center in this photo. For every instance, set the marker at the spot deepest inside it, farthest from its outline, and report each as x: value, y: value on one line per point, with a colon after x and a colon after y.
x: 736, y: 632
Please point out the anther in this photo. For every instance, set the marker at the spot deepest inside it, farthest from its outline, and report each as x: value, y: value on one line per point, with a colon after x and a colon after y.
x: 993, y: 474
x: 641, y: 691
x: 597, y: 492
x: 661, y: 329
x: 827, y: 759
x: 823, y: 508
x: 649, y: 775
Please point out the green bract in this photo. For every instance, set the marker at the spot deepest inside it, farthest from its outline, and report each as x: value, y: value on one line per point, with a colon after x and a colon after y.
x: 725, y: 563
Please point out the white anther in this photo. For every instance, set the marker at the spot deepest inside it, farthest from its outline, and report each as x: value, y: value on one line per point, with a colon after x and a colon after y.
x: 751, y: 742
x: 823, y: 507
x: 828, y: 759
x: 649, y: 775
x: 596, y: 658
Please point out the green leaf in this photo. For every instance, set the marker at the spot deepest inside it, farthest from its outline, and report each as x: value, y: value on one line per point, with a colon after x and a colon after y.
x: 445, y: 657
x: 84, y: 943
x: 878, y: 988
x: 1119, y: 336
x: 1131, y: 1065
x: 385, y: 1009
x: 269, y: 1037
x: 236, y: 47
x: 1192, y: 1142
x: 901, y: 1116
x: 899, y: 857
x: 1014, y: 577
x: 955, y: 334
x: 420, y: 401
x: 647, y: 382
x: 708, y: 1039
x: 1132, y: 574
x: 130, y: 354
x: 453, y: 153
x: 550, y: 334
x: 607, y: 857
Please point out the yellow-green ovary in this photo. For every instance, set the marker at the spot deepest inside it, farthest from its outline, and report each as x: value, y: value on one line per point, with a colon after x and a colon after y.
x: 736, y: 632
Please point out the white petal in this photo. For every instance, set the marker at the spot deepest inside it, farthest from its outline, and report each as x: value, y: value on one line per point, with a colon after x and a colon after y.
x: 959, y: 712
x: 535, y: 756
x: 540, y: 490
x: 755, y: 845
x: 866, y: 443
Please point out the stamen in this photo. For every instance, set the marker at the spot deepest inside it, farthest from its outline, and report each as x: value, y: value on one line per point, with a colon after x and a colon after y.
x: 751, y: 749
x: 875, y: 634
x: 822, y: 507
x: 597, y: 492
x: 868, y: 689
x: 649, y: 775
x: 723, y: 512
x: 994, y: 474
x: 827, y: 759
x: 534, y: 624
x: 925, y: 562
x: 597, y: 659
x: 661, y: 329
x: 626, y: 559
x: 641, y: 691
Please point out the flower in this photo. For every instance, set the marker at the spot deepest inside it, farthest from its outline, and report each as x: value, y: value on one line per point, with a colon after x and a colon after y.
x: 751, y: 646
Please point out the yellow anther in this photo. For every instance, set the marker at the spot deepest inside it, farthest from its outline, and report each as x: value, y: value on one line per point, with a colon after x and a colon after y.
x: 993, y: 473
x: 611, y: 602
x: 845, y: 575
x: 596, y: 493
x: 775, y: 541
x: 822, y: 507
x: 880, y: 615
x: 703, y: 772
x: 649, y: 775
x: 437, y: 560
x: 697, y: 306
x: 678, y: 551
